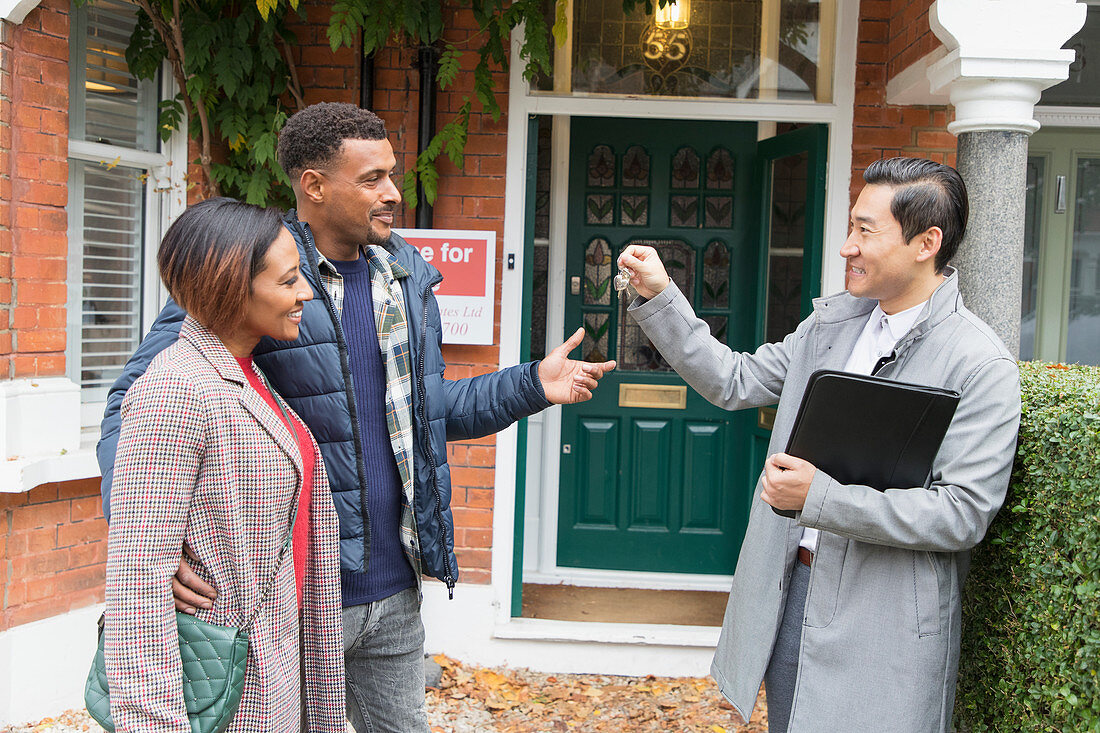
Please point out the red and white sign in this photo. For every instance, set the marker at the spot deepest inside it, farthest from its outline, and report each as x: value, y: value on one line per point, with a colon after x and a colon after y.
x: 466, y: 296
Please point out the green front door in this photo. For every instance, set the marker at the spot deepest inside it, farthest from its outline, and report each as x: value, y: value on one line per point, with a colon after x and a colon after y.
x: 652, y: 475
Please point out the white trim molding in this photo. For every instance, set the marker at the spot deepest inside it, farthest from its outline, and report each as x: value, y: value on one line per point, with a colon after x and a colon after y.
x: 461, y: 628
x: 15, y: 11
x: 911, y: 85
x: 592, y: 578
x: 1053, y: 116
x: 39, y: 416
x: 996, y: 66
x: 40, y: 434
x: 44, y: 664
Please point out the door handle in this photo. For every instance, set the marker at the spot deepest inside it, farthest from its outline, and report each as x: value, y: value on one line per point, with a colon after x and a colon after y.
x: 1060, y: 195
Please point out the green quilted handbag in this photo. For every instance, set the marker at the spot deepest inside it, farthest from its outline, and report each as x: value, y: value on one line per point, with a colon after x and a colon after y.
x: 213, y: 675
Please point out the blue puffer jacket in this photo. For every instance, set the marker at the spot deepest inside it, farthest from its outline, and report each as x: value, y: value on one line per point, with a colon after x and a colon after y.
x: 312, y: 374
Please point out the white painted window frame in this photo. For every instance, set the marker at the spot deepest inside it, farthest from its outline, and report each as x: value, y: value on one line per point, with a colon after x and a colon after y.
x: 542, y: 460
x: 165, y: 199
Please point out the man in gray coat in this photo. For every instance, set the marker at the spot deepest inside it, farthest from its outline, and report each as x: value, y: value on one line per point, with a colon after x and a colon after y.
x: 850, y: 612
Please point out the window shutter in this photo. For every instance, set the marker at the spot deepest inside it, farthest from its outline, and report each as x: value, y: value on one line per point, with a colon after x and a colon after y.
x: 113, y: 258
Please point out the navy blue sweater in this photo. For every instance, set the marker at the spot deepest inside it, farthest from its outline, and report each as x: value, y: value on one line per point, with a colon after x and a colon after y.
x: 388, y: 571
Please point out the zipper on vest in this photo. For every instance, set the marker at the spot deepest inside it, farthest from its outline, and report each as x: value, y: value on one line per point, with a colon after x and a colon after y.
x: 448, y: 576
x: 342, y: 348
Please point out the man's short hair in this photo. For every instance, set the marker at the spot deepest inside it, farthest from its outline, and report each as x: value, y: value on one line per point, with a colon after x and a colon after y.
x: 926, y: 195
x: 210, y: 255
x: 313, y: 136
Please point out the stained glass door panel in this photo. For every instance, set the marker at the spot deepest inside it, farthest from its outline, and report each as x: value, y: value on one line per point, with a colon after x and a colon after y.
x: 651, y: 473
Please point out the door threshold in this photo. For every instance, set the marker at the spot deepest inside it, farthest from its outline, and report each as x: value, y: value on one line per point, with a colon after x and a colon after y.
x: 624, y: 605
x: 537, y: 629
x: 594, y: 578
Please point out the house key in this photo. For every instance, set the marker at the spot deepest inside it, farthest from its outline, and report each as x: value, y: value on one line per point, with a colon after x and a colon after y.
x: 622, y: 279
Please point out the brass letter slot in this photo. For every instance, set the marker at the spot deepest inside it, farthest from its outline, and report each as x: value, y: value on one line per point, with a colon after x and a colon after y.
x: 765, y: 418
x: 657, y: 396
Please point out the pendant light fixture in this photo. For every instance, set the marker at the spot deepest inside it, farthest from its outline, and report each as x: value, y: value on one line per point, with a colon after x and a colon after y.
x: 673, y: 15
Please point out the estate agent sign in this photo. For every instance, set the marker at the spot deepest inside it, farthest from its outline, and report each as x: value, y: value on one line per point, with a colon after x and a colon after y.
x: 466, y: 296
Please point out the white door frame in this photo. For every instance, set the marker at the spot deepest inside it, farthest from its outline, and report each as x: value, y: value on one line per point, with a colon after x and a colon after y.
x: 542, y: 465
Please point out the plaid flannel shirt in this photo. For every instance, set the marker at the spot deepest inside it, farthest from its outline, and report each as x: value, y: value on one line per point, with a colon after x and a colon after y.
x: 393, y: 340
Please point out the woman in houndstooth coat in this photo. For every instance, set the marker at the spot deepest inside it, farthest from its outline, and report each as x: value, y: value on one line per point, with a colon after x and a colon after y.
x: 211, y: 460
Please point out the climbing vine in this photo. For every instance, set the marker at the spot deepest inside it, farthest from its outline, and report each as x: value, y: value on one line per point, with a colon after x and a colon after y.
x: 420, y: 23
x: 233, y: 65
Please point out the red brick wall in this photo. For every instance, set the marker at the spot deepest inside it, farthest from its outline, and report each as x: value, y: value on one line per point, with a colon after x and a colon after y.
x: 911, y: 38
x: 324, y: 76
x: 6, y: 64
x: 471, y: 198
x: 893, y: 34
x: 53, y: 550
x: 39, y: 193
x: 52, y: 539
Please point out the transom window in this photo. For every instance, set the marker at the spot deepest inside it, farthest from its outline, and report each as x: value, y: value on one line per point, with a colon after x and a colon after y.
x: 741, y: 49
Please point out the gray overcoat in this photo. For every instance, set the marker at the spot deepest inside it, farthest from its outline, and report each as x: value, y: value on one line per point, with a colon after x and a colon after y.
x: 880, y: 636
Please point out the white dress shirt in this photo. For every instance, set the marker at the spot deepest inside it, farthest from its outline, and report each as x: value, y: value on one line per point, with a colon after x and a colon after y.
x: 879, y: 337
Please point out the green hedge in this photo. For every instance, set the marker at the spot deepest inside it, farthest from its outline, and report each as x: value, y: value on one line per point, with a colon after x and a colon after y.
x: 1031, y: 607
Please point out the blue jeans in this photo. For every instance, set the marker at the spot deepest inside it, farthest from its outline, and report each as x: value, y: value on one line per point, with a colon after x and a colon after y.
x: 384, y: 665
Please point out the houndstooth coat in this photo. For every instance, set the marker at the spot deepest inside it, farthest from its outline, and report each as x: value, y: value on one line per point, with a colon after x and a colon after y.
x: 202, y: 459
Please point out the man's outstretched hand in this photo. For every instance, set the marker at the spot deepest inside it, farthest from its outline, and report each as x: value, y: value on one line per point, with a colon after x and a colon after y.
x: 566, y: 380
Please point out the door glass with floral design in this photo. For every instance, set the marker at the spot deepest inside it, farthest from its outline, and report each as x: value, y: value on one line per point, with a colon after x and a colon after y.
x: 636, y: 353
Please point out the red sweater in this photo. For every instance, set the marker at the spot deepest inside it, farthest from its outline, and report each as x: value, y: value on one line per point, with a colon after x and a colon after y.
x: 300, y: 541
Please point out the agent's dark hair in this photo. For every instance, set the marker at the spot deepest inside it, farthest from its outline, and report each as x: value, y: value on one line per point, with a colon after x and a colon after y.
x: 926, y: 195
x: 210, y: 255
x: 313, y: 136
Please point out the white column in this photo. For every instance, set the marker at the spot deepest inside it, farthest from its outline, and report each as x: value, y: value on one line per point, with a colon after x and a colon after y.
x: 1001, y: 55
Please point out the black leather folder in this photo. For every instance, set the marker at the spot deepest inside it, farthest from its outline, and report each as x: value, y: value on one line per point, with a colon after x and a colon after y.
x: 870, y: 431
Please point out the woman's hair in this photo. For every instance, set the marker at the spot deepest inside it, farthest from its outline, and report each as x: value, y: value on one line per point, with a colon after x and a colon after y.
x: 210, y: 255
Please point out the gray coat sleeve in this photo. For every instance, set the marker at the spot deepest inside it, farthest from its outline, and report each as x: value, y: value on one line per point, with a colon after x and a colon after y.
x: 727, y: 378
x: 969, y: 477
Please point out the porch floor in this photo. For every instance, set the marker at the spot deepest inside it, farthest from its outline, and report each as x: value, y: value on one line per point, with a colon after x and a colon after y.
x: 624, y: 605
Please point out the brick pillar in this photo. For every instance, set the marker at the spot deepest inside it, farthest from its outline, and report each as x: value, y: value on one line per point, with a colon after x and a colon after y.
x: 5, y: 199
x: 39, y: 122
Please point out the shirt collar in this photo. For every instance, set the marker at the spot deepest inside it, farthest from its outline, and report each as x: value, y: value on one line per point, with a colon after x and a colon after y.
x: 899, y: 323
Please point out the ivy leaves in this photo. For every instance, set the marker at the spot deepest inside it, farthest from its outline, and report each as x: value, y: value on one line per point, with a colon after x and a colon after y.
x: 420, y: 23
x: 232, y: 64
x: 238, y: 82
